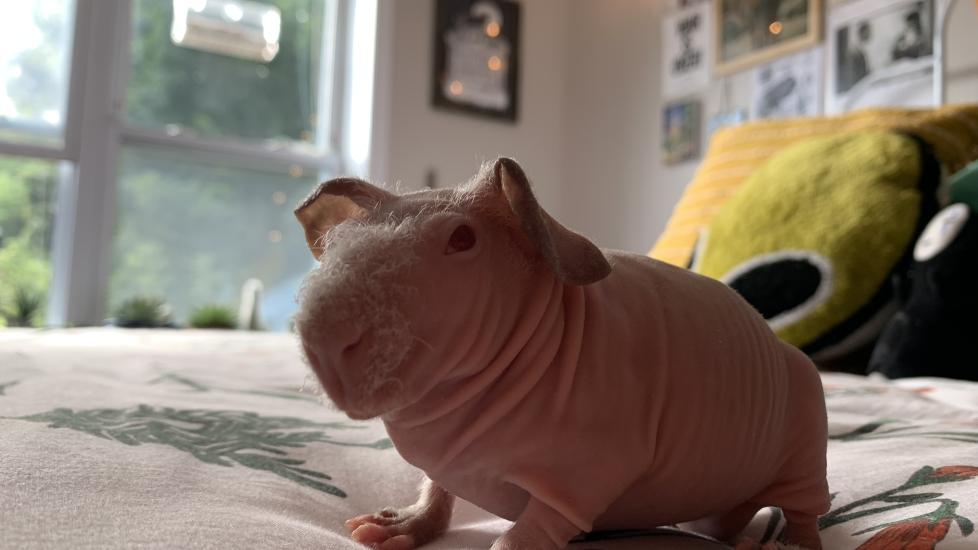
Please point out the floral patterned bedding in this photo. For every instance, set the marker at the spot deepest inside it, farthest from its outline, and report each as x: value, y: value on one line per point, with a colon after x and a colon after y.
x: 194, y: 439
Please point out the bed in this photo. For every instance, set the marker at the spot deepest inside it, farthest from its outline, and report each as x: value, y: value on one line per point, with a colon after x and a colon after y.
x: 114, y: 438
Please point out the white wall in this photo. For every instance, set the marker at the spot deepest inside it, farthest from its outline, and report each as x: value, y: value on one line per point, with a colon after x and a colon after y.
x: 614, y: 191
x: 962, y: 53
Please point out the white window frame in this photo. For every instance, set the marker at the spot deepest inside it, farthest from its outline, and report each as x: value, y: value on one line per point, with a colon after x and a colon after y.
x: 96, y: 130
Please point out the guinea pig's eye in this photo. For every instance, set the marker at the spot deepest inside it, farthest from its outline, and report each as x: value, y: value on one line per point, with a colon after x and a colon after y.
x: 462, y: 239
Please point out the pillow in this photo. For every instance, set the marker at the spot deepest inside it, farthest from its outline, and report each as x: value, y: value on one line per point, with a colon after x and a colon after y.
x: 813, y: 238
x: 964, y: 186
x: 735, y: 153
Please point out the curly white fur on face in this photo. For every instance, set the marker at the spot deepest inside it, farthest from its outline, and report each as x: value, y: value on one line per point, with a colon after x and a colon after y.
x: 358, y: 284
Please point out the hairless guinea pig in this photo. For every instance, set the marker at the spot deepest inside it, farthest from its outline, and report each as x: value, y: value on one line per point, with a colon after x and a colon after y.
x: 548, y: 381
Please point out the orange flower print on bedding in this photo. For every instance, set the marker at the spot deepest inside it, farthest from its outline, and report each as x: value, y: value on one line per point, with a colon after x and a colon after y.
x: 921, y: 534
x: 954, y: 473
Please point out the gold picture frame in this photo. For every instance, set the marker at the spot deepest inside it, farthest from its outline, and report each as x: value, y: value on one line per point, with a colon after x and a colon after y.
x: 751, y: 32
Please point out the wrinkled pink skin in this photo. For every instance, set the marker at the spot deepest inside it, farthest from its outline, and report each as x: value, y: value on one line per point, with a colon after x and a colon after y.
x: 651, y: 397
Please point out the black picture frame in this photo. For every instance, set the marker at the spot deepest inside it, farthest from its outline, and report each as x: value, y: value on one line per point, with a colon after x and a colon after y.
x: 477, y: 58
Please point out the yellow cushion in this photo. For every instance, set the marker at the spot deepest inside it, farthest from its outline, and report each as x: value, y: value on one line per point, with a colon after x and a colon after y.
x: 735, y: 153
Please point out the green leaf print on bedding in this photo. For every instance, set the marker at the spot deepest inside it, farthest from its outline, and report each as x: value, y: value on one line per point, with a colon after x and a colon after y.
x: 3, y: 387
x: 222, y: 438
x: 198, y: 387
x: 918, y: 531
x: 897, y: 429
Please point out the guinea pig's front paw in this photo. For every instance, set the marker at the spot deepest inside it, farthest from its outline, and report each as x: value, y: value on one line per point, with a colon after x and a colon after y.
x: 404, y: 529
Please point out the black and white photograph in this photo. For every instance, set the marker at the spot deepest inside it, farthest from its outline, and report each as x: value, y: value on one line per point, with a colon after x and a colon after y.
x: 789, y: 87
x: 477, y: 53
x: 686, y: 51
x: 881, y: 54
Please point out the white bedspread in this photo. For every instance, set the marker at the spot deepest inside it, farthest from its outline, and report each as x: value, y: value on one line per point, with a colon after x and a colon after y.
x: 193, y: 439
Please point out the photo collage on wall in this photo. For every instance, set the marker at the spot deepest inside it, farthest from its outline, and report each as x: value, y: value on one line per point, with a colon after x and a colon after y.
x: 686, y: 66
x: 875, y: 53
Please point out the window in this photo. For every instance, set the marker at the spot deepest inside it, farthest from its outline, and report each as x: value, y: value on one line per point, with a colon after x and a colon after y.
x: 194, y: 219
x: 204, y: 121
x: 274, y: 103
x: 35, y: 44
x: 193, y: 232
x: 27, y: 203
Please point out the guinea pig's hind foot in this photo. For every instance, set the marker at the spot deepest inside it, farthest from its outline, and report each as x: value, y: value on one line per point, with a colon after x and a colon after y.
x: 394, y: 529
x: 406, y: 528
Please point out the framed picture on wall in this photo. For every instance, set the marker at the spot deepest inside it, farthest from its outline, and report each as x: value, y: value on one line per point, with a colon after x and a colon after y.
x: 477, y: 54
x: 685, y: 50
x: 881, y: 53
x: 681, y: 132
x: 750, y: 32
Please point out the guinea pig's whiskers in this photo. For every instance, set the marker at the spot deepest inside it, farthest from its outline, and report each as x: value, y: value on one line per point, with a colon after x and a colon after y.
x: 321, y: 241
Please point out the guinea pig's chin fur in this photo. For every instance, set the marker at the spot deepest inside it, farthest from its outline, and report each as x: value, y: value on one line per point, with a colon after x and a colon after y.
x: 377, y: 407
x: 360, y: 282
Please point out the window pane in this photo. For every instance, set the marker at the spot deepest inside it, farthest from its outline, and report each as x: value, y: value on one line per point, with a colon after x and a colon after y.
x: 192, y: 233
x: 27, y: 201
x: 35, y: 52
x: 190, y: 88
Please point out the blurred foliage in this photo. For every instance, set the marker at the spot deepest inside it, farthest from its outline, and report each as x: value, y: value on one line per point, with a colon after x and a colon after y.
x: 40, y: 84
x: 26, y: 308
x: 143, y: 312
x: 26, y: 210
x: 196, y: 232
x: 27, y: 186
x: 214, y: 316
x: 40, y: 81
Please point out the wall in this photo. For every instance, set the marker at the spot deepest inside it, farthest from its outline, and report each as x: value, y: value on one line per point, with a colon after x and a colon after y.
x: 585, y: 122
x: 421, y: 139
x: 614, y: 192
x: 618, y: 189
x: 962, y: 63
x: 590, y: 118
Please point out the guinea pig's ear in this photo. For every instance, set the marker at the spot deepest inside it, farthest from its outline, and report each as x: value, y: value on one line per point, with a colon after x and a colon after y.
x: 572, y: 257
x: 334, y: 202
